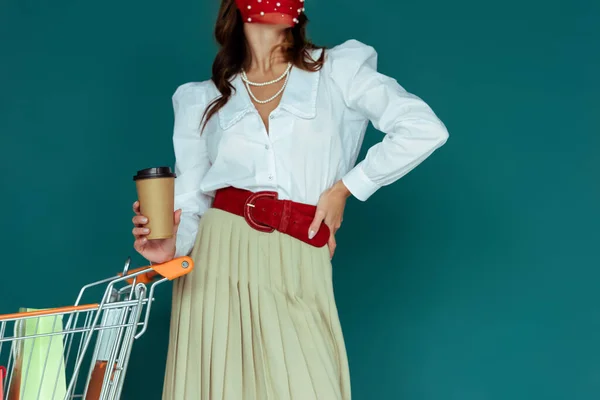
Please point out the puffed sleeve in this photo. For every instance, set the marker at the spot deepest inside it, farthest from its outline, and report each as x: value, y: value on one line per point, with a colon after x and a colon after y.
x: 412, y: 130
x: 191, y: 163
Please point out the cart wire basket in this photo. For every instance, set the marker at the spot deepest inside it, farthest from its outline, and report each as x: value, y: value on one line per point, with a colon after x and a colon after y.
x: 81, y: 351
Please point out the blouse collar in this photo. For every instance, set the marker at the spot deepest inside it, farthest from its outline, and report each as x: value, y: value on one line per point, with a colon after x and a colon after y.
x: 299, y: 98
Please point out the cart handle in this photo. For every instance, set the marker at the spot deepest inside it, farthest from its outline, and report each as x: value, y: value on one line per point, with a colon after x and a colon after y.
x: 173, y: 269
x: 48, y: 312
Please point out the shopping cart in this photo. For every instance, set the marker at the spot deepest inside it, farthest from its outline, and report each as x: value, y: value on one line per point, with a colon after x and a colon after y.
x: 81, y: 351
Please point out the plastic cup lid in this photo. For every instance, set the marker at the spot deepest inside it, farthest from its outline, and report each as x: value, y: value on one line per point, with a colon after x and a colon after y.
x: 156, y: 172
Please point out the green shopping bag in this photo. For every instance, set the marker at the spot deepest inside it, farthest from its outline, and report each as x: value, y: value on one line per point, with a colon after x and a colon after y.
x: 39, y: 372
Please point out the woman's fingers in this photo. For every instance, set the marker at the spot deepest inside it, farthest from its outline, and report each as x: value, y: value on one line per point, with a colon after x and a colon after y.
x: 137, y: 232
x: 333, y: 222
x: 176, y: 220
x: 139, y: 220
x: 316, y: 223
x: 332, y: 245
x: 136, y: 207
x: 140, y: 244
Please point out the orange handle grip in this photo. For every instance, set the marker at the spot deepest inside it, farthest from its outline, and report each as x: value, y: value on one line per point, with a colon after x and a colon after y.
x: 173, y: 269
x: 146, y: 278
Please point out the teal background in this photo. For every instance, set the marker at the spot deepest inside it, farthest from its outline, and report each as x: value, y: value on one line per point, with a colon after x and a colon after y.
x: 475, y: 277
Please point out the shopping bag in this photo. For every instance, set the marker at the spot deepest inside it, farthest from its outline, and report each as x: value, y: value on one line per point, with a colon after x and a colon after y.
x: 2, y: 378
x: 107, y: 340
x: 39, y: 369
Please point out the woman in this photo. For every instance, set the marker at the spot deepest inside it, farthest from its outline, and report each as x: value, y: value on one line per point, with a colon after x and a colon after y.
x: 265, y: 155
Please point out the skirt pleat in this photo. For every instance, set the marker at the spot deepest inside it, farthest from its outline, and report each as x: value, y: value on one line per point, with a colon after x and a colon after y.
x: 255, y: 320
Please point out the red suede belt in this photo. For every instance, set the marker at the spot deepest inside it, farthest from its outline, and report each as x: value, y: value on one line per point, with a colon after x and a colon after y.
x: 264, y: 212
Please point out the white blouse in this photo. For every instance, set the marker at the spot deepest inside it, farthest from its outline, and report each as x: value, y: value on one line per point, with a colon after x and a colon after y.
x: 314, y: 137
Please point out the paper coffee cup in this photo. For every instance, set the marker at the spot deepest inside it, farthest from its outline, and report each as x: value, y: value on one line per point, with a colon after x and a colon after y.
x: 156, y: 194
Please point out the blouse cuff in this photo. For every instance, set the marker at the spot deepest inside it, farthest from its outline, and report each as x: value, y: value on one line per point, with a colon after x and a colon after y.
x: 183, y: 247
x: 359, y: 184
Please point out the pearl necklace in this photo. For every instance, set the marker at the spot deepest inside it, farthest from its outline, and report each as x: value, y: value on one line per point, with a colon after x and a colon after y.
x: 248, y: 83
x: 245, y: 78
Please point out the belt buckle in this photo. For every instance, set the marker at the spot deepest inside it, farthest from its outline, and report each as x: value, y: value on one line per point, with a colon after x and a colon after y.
x: 250, y: 204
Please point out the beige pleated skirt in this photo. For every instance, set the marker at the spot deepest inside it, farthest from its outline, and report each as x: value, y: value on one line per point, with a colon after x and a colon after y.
x: 255, y: 320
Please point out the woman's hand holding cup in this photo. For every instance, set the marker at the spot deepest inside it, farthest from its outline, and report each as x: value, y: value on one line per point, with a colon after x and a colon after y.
x: 153, y: 250
x: 155, y: 224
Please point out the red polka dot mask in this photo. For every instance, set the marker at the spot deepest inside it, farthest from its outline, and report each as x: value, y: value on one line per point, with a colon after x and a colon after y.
x: 271, y: 11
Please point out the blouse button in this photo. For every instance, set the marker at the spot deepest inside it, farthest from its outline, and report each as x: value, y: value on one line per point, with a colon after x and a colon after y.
x: 271, y: 116
x: 266, y: 147
x: 270, y: 177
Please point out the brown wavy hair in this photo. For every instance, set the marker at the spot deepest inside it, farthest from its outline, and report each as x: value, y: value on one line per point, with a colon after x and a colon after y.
x: 233, y: 54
